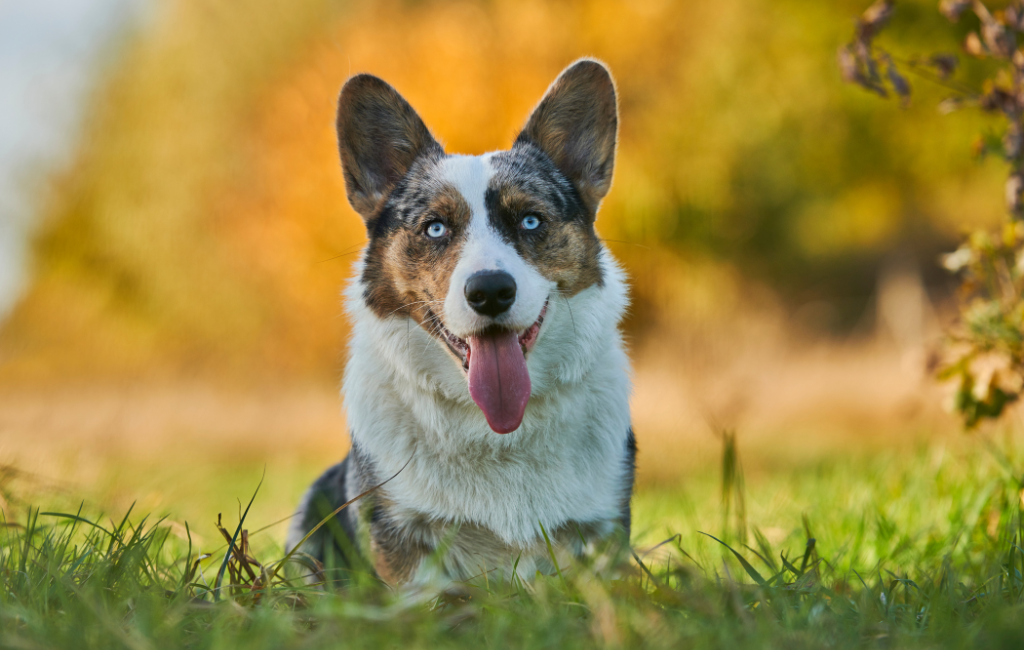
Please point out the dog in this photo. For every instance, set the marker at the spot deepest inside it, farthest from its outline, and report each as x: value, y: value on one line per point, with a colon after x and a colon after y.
x: 487, y: 386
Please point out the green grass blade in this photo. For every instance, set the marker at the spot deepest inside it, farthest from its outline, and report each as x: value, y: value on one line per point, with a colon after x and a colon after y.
x: 747, y: 566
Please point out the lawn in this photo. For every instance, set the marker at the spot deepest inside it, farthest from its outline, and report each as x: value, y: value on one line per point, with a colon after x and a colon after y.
x: 911, y: 547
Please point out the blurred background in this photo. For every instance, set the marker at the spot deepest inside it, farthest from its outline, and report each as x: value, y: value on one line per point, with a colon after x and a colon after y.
x: 174, y: 233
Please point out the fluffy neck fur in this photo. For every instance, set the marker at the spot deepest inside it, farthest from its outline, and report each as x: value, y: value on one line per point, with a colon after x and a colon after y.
x: 406, y: 398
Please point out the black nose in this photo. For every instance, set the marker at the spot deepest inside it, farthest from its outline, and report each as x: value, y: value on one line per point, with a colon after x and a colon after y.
x: 490, y: 292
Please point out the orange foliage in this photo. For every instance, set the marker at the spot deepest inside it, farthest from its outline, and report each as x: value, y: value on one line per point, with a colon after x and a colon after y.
x: 472, y: 71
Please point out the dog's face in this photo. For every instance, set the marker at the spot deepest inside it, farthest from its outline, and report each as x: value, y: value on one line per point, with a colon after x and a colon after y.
x: 474, y: 248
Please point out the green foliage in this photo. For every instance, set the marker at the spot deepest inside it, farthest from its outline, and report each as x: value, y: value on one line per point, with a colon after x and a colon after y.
x: 987, y: 350
x: 985, y: 356
x: 913, y: 550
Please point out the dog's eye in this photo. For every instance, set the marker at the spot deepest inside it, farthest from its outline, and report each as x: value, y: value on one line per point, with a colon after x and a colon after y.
x: 530, y: 222
x: 436, y: 230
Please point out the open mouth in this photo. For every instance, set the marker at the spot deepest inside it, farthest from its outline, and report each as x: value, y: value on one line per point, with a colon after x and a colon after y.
x: 495, y: 362
x: 463, y: 350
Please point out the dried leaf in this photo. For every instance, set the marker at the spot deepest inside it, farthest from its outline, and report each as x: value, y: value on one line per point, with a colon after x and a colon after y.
x: 973, y: 46
x: 993, y: 370
x: 982, y: 12
x: 1014, y: 189
x: 998, y: 40
x: 998, y: 99
x: 958, y: 259
x: 1012, y: 141
x: 848, y: 66
x: 952, y: 9
x: 858, y: 67
x: 1013, y: 17
x: 944, y: 64
x: 872, y: 80
x: 898, y: 81
x: 874, y: 19
x: 950, y: 104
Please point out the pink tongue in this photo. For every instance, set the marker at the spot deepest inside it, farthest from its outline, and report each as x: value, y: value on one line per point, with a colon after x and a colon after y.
x: 498, y: 380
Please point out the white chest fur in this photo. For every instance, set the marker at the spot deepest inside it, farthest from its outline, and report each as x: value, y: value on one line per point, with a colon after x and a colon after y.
x: 406, y: 398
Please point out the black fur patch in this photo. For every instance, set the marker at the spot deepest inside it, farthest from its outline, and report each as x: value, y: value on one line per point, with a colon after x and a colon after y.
x: 334, y: 544
x: 627, y: 509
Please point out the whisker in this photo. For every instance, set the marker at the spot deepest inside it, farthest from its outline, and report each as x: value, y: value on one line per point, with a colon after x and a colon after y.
x: 345, y: 251
x: 620, y: 241
x: 572, y: 319
x: 410, y: 304
x: 435, y: 330
x: 563, y: 294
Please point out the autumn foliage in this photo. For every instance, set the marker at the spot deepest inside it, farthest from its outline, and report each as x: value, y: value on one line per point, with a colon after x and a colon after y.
x: 202, y: 226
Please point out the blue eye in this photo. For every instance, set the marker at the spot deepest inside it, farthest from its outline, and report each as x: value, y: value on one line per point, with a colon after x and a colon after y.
x: 530, y: 222
x: 436, y: 230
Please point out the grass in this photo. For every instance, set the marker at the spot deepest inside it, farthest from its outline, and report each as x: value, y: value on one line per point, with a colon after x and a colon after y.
x: 913, y: 549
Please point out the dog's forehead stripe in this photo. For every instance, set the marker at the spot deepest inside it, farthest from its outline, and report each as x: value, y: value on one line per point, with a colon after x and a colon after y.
x: 470, y: 175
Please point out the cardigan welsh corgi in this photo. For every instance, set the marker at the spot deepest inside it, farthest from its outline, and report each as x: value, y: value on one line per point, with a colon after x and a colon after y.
x: 487, y: 374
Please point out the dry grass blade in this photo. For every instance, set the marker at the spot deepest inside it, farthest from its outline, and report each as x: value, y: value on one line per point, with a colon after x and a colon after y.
x: 241, y: 561
x: 233, y: 539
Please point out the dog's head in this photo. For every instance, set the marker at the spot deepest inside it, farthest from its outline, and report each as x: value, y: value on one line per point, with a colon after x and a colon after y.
x: 474, y: 248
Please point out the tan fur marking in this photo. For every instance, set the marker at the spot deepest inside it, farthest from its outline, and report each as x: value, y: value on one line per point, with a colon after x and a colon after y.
x: 418, y: 270
x: 394, y: 566
x: 566, y: 254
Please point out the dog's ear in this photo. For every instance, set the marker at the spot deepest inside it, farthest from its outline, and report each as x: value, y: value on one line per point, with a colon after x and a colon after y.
x: 379, y: 138
x: 575, y: 124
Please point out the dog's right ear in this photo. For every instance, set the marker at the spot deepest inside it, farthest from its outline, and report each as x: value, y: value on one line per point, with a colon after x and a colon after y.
x: 575, y: 124
x: 379, y: 138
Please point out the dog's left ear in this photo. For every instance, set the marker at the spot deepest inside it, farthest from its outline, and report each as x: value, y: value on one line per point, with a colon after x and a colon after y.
x: 575, y: 124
